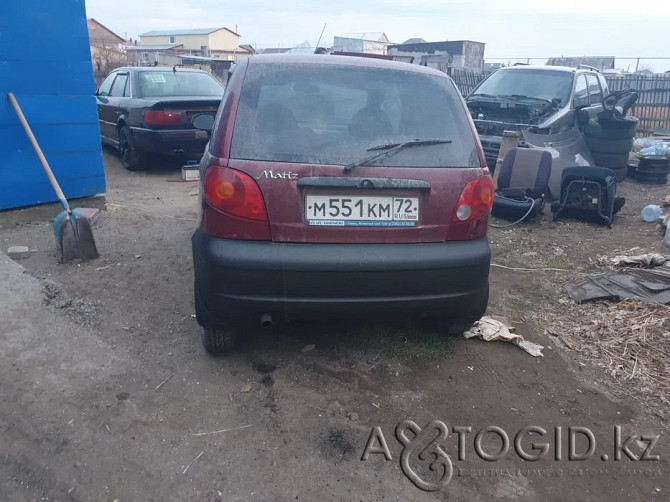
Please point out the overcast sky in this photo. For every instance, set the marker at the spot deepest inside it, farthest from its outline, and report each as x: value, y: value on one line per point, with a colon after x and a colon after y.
x: 510, y: 28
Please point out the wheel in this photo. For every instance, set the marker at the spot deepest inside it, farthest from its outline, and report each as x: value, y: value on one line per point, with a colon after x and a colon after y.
x: 653, y: 171
x: 218, y: 340
x: 655, y: 180
x: 614, y: 146
x: 620, y: 173
x: 457, y: 325
x: 612, y: 161
x: 625, y: 129
x: 131, y: 158
x: 655, y: 163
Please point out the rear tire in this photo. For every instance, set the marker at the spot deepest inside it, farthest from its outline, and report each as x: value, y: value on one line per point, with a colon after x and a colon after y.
x: 457, y: 325
x: 620, y: 173
x: 131, y: 158
x: 614, y: 161
x: 611, y: 146
x: 218, y: 340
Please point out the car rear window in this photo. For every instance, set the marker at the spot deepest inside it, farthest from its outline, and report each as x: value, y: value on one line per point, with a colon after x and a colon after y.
x: 156, y: 84
x: 332, y: 114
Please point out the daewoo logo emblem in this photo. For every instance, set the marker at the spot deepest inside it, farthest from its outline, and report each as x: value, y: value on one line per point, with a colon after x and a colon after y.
x: 271, y: 175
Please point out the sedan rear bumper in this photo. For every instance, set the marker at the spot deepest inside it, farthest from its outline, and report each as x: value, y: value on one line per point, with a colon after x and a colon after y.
x: 314, y: 281
x: 185, y: 143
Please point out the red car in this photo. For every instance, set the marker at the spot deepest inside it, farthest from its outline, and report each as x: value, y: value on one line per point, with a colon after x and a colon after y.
x: 340, y: 187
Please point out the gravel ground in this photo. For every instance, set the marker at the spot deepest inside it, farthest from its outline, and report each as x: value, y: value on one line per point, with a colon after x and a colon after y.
x: 108, y: 395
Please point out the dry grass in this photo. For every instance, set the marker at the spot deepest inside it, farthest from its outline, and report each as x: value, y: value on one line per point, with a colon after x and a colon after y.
x: 631, y: 339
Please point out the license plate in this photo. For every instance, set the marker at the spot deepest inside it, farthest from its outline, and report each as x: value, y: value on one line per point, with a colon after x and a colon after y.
x: 361, y: 211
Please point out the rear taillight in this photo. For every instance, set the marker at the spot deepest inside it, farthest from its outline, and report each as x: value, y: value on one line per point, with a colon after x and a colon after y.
x: 233, y: 206
x: 235, y: 193
x: 475, y: 201
x: 164, y: 117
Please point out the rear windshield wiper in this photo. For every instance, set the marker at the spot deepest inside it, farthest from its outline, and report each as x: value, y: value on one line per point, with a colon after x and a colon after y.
x: 390, y: 150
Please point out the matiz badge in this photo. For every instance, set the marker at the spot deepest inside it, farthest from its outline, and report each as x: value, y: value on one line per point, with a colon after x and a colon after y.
x: 286, y: 175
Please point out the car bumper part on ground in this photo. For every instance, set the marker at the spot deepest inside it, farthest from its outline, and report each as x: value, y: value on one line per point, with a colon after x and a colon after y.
x: 185, y: 143
x: 314, y: 281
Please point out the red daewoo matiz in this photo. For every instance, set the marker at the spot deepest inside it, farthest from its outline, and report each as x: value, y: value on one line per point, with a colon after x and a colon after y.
x: 340, y: 187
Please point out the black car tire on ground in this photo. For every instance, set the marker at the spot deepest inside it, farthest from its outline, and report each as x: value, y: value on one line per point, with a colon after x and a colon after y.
x: 653, y: 171
x: 652, y: 179
x: 624, y: 130
x: 621, y: 173
x: 457, y: 326
x: 611, y: 160
x: 131, y: 158
x: 614, y: 146
x: 218, y: 341
x: 657, y: 163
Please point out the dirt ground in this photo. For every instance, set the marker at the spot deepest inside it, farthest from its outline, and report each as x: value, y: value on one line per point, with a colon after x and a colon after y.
x: 107, y: 394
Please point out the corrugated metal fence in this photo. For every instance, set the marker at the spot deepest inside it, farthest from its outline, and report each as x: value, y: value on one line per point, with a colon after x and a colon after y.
x: 652, y: 108
x: 465, y: 80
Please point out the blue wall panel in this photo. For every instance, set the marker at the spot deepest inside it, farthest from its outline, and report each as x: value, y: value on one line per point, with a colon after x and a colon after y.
x: 51, y: 75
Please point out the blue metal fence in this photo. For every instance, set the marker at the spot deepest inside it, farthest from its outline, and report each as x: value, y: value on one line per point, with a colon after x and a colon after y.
x: 45, y: 61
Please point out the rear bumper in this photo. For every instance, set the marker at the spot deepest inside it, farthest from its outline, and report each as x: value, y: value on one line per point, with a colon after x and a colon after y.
x: 315, y: 281
x: 184, y: 143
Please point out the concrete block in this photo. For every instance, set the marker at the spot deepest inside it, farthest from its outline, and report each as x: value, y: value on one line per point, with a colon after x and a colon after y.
x: 190, y: 173
x: 92, y: 213
x: 18, y: 252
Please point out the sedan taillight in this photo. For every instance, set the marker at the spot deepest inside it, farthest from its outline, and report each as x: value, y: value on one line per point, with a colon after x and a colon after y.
x: 164, y: 117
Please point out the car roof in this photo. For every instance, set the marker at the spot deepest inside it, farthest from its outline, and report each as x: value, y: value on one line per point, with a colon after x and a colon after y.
x: 565, y: 69
x: 332, y: 60
x: 158, y: 68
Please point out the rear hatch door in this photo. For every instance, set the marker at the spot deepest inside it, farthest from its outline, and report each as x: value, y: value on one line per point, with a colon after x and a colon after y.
x: 298, y: 126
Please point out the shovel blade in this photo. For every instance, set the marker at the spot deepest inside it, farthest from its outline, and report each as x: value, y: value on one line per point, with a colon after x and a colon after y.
x: 74, y: 237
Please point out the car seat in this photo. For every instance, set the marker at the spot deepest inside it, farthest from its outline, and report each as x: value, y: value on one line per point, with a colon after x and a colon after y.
x: 588, y: 193
x: 371, y: 121
x: 275, y: 119
x: 522, y: 184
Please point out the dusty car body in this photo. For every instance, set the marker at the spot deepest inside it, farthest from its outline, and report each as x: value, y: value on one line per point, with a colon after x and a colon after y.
x: 340, y: 187
x: 544, y: 103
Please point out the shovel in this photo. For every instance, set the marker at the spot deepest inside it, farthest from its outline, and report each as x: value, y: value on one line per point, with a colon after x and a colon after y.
x: 72, y: 228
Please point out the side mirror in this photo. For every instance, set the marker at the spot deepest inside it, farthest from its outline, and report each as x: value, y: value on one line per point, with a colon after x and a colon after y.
x: 204, y: 122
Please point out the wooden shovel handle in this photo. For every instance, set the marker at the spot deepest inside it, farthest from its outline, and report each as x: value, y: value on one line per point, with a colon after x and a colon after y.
x: 38, y: 151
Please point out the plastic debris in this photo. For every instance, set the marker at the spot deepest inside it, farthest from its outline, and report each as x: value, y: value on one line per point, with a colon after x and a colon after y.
x: 641, y: 144
x: 657, y: 148
x: 652, y: 213
x: 641, y: 260
x: 647, y: 285
x: 492, y: 330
